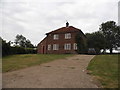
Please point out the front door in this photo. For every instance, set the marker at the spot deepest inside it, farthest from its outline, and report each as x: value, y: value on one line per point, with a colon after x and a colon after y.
x: 43, y: 49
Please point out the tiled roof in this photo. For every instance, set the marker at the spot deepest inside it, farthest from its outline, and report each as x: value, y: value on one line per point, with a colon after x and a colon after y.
x: 42, y: 40
x: 64, y: 30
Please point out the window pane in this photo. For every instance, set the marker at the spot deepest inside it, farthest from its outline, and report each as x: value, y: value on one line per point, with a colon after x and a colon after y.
x: 56, y: 36
x: 67, y: 35
x: 67, y: 46
x: 49, y: 47
x: 55, y: 46
x: 75, y: 46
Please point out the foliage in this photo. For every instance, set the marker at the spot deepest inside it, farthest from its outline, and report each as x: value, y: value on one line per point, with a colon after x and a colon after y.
x: 21, y: 50
x: 0, y: 48
x: 28, y: 44
x: 108, y: 37
x: 81, y: 43
x: 105, y: 69
x: 96, y: 40
x: 15, y: 62
x: 110, y: 31
x: 117, y: 37
x: 23, y: 42
x: 7, y: 49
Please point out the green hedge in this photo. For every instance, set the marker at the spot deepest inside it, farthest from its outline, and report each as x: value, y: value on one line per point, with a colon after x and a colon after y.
x: 17, y: 50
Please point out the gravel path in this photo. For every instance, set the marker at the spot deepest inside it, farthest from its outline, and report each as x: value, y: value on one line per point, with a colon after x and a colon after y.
x: 62, y: 73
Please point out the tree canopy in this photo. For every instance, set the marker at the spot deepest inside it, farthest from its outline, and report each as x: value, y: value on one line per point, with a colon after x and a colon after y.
x: 81, y: 43
x: 111, y: 33
x: 23, y: 42
x: 95, y: 40
x: 10, y: 50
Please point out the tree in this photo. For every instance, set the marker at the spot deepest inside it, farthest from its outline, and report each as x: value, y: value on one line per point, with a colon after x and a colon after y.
x: 28, y: 44
x: 20, y: 41
x: 0, y: 47
x: 81, y: 43
x: 117, y: 36
x: 96, y: 40
x: 110, y: 31
x: 23, y: 42
x: 8, y: 49
x: 5, y: 47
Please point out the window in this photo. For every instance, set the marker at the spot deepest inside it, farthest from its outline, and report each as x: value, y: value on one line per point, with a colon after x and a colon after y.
x: 75, y: 46
x: 67, y: 35
x: 67, y: 46
x: 56, y: 36
x: 55, y: 46
x: 49, y: 47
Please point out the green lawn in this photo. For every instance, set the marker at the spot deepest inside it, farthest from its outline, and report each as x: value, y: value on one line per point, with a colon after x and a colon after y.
x: 105, y: 69
x: 0, y: 64
x: 14, y: 62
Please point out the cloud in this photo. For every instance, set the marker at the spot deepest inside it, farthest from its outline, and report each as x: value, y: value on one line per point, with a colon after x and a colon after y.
x: 34, y: 18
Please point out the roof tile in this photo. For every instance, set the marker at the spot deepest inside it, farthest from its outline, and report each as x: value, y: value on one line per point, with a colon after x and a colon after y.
x: 65, y: 29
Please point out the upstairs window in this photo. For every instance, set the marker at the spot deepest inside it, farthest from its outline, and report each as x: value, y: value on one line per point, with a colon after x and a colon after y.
x: 67, y: 35
x: 55, y: 46
x: 75, y: 46
x: 67, y: 46
x: 55, y: 36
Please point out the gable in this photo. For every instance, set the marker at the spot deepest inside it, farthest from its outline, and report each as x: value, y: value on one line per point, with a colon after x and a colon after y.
x: 69, y: 29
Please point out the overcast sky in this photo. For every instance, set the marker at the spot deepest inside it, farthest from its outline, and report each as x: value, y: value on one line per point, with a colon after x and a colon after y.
x: 34, y: 18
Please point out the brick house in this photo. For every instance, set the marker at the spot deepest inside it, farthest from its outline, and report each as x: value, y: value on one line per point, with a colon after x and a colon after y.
x: 60, y: 41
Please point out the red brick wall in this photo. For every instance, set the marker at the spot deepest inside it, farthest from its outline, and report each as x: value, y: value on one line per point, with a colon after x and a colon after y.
x: 42, y: 47
x: 61, y: 41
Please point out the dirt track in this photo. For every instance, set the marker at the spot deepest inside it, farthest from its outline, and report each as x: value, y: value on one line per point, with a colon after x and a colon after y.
x: 63, y: 73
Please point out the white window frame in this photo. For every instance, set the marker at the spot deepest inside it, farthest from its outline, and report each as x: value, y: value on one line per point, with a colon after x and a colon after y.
x: 49, y: 47
x: 67, y: 46
x: 55, y: 46
x: 55, y: 36
x: 67, y: 35
x: 75, y: 46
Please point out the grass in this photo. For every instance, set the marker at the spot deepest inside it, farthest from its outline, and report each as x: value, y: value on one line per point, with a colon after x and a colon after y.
x: 15, y: 62
x: 105, y: 69
x: 0, y: 64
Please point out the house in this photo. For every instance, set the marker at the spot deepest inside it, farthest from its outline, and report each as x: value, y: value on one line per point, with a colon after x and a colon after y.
x: 60, y: 41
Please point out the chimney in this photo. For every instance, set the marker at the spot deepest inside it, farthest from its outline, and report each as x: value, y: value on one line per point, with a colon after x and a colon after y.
x: 67, y: 24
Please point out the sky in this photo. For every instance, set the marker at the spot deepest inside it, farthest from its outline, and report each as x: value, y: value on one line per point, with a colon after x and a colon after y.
x: 34, y: 18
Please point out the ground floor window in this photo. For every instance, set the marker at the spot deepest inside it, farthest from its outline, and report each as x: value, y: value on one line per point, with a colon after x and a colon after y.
x: 75, y: 46
x: 49, y: 47
x: 55, y: 46
x: 67, y: 46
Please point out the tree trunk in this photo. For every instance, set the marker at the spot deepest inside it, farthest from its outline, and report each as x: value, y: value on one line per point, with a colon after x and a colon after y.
x: 104, y: 51
x: 111, y: 50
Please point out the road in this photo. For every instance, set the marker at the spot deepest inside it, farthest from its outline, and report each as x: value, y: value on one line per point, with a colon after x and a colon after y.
x: 63, y: 73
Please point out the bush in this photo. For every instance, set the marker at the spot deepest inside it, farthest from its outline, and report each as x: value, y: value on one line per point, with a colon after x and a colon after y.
x: 30, y: 51
x: 7, y: 49
x: 81, y: 44
x: 17, y: 50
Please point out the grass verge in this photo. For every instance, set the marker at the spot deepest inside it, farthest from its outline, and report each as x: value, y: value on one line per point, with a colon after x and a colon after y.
x: 105, y: 69
x: 15, y: 62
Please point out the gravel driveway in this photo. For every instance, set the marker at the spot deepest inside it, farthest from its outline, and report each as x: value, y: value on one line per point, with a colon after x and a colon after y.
x: 62, y: 73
